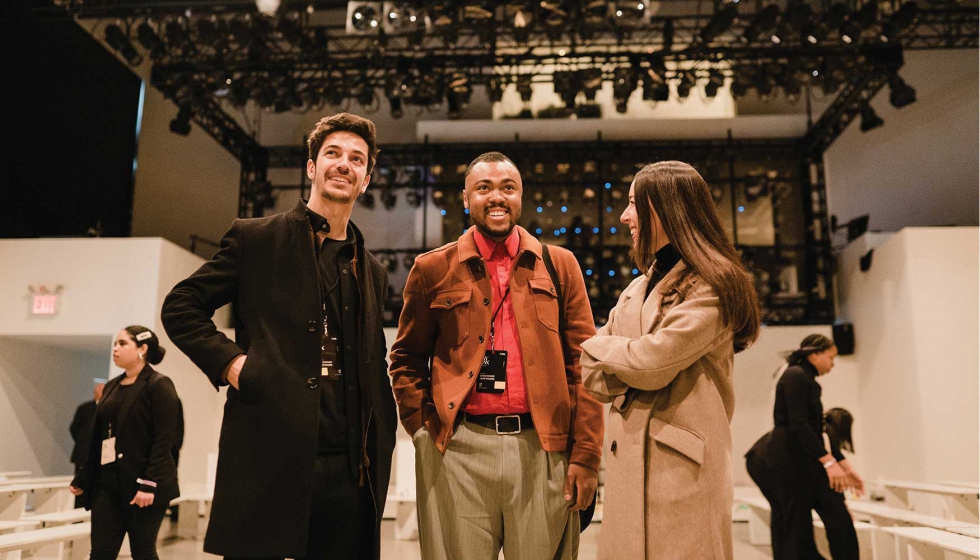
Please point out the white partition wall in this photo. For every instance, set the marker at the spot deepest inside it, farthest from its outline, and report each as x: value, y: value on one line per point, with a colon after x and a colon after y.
x: 915, y: 315
x: 47, y: 361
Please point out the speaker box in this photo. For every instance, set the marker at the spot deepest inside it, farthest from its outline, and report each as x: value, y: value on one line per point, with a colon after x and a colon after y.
x: 844, y: 338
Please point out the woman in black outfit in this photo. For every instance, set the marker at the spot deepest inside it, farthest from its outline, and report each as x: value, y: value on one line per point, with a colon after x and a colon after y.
x: 795, y: 471
x: 131, y: 474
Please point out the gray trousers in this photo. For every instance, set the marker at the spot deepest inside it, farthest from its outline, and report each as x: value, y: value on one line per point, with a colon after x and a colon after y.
x: 489, y: 492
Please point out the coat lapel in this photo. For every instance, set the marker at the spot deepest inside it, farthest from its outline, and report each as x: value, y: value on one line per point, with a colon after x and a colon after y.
x: 651, y: 314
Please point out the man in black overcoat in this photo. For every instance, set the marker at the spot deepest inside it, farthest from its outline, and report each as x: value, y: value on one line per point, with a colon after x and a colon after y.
x: 81, y: 430
x: 309, y: 423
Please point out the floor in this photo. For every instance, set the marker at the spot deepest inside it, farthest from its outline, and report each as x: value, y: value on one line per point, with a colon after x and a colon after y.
x: 172, y: 548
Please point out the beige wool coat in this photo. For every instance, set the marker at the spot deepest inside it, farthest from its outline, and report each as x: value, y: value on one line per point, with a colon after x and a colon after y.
x: 665, y: 362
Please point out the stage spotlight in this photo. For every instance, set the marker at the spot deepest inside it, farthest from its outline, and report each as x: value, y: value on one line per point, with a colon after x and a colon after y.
x: 429, y: 89
x: 869, y: 119
x: 388, y: 198
x: 116, y: 38
x: 152, y: 42
x: 445, y: 21
x: 402, y: 17
x: 655, y: 86
x: 364, y: 93
x: 624, y: 82
x: 740, y: 85
x: 206, y: 31
x: 591, y: 82
x: 900, y: 21
x: 901, y: 93
x: 763, y: 22
x: 175, y: 33
x: 685, y: 83
x: 555, y: 16
x: 181, y: 124
x: 522, y: 19
x: 715, y: 82
x: 719, y: 23
x: 495, y: 88
x: 458, y: 94
x: 363, y: 17
x: 524, y: 87
x: 567, y: 87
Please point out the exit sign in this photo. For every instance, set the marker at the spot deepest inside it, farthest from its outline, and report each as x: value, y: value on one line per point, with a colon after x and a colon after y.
x: 45, y: 299
x: 44, y: 304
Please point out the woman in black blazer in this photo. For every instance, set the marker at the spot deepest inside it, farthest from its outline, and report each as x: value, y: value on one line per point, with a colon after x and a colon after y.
x: 795, y: 470
x: 131, y: 474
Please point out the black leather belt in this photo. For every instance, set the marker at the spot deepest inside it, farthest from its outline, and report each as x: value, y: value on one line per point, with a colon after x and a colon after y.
x: 504, y: 424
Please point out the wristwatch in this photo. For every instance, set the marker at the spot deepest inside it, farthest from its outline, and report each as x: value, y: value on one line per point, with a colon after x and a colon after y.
x: 830, y: 463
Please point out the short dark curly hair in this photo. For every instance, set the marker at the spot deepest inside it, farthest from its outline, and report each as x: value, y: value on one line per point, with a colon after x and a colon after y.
x: 344, y: 122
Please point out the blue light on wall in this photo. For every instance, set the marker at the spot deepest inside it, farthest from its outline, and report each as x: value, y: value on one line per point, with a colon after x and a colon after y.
x: 538, y: 231
x: 578, y: 230
x: 595, y: 230
x: 540, y: 209
x: 741, y: 209
x: 588, y: 272
x: 442, y: 212
x: 608, y: 186
x: 612, y: 273
x: 612, y: 230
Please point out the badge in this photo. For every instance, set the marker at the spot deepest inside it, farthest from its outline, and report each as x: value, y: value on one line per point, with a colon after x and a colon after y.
x: 108, y: 451
x: 493, y: 373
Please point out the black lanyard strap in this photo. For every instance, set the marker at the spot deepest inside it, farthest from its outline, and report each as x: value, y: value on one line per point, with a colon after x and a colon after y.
x: 493, y: 318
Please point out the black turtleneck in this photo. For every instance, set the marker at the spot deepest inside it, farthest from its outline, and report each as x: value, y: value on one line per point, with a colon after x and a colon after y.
x: 665, y: 259
x: 798, y: 408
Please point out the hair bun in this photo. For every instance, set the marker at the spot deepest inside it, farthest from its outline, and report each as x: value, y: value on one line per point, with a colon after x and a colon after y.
x: 156, y: 356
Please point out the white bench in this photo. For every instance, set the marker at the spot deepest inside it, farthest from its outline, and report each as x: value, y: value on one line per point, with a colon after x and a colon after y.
x: 926, y: 543
x: 963, y: 501
x: 188, y: 511
x: 46, y: 497
x: 51, y: 542
x: 8, y: 526
x: 760, y: 519
x: 60, y: 479
x: 57, y: 518
x: 7, y: 475
x: 885, y: 516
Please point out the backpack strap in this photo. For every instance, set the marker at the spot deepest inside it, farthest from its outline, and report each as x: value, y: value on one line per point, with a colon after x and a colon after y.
x: 550, y: 266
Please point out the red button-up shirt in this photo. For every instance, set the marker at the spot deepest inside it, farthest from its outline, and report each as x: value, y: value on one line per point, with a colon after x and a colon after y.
x: 500, y: 259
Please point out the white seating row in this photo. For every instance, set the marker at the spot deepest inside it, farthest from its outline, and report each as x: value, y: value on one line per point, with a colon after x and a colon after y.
x: 51, y: 542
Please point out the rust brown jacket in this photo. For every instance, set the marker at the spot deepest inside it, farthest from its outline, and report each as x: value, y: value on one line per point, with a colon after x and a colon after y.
x: 442, y: 337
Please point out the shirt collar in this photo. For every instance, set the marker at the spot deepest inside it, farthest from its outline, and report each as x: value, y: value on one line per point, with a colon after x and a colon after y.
x: 486, y: 246
x: 666, y: 258
x: 320, y: 224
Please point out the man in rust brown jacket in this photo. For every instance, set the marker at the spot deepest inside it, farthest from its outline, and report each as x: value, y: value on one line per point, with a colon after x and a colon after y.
x: 508, y: 443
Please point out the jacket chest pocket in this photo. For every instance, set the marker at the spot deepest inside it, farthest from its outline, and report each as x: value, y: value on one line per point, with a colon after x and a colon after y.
x: 451, y: 308
x: 545, y: 302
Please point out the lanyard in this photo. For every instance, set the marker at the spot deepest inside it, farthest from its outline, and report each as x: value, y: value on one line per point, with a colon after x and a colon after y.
x: 493, y: 319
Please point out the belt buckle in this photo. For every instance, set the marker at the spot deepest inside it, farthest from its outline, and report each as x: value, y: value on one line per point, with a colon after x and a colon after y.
x: 507, y: 433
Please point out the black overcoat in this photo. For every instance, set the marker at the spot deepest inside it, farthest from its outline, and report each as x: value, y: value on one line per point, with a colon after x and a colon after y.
x: 267, y: 268
x: 145, y: 434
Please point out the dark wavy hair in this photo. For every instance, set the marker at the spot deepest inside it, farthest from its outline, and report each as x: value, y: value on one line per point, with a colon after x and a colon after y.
x: 682, y: 201
x: 154, y: 352
x: 840, y: 421
x: 812, y: 344
x: 344, y: 122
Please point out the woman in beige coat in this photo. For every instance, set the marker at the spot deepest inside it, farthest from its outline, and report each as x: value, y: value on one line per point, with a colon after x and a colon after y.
x: 664, y: 360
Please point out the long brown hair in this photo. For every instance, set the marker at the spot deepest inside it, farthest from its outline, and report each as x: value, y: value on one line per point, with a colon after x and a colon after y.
x: 682, y: 201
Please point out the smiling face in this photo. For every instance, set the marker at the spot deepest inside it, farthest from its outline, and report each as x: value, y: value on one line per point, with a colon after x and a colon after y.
x: 339, y: 173
x: 125, y: 352
x: 493, y: 196
x: 823, y: 361
x: 632, y: 221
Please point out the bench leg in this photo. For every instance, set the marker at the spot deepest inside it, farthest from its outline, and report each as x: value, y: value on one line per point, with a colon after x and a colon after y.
x: 12, y: 505
x: 187, y: 519
x: 54, y: 551
x: 407, y: 522
x: 963, y: 508
x: 922, y: 551
x: 759, y: 532
x: 80, y: 548
x: 15, y: 555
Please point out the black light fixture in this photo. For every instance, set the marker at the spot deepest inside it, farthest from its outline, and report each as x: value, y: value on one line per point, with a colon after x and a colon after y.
x: 367, y: 200
x: 740, y: 84
x: 388, y: 198
x: 624, y: 82
x: 591, y: 82
x: 869, y: 119
x: 495, y: 88
x: 715, y: 82
x: 458, y: 94
x: 655, y: 86
x: 900, y: 21
x: 720, y: 22
x: 524, y: 87
x: 567, y: 86
x: 763, y: 22
x: 175, y: 33
x: 116, y: 38
x: 901, y: 93
x: 521, y: 18
x: 685, y: 82
x: 365, y: 17
x: 148, y: 38
x: 555, y: 17
x: 181, y: 124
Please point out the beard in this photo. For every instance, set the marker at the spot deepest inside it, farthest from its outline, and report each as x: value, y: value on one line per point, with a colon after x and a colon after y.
x: 483, y: 226
x: 334, y: 195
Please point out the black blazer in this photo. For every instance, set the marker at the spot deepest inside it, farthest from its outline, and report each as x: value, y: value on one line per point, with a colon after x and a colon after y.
x: 145, y: 438
x: 81, y: 432
x: 267, y: 268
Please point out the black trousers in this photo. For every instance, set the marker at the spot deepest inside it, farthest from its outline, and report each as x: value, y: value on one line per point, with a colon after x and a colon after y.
x: 796, y: 485
x: 340, y: 515
x: 113, y: 518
